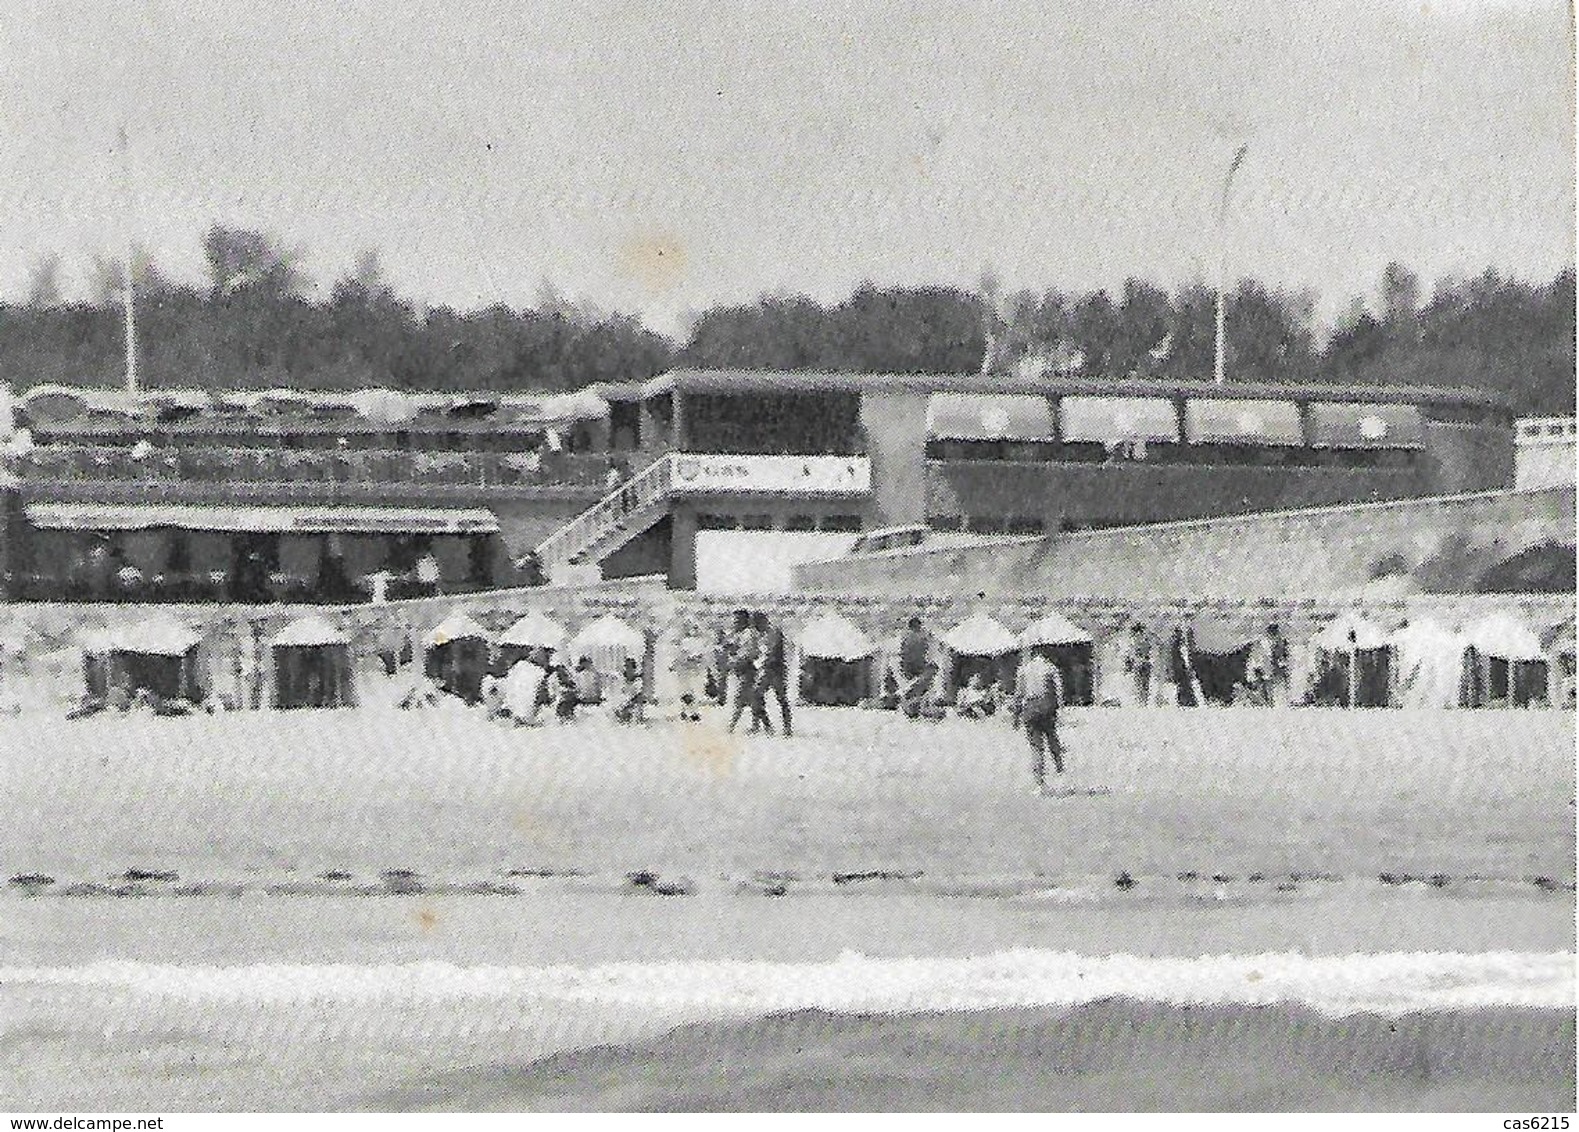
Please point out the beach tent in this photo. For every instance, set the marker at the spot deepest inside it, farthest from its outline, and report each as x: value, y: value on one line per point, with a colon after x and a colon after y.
x: 1352, y: 662
x: 1427, y: 665
x: 1073, y: 650
x: 158, y: 655
x: 533, y: 631
x: 96, y: 645
x: 608, y: 642
x: 1218, y: 651
x: 310, y: 664
x: 1509, y: 663
x: 456, y: 655
x: 836, y: 662
x: 979, y: 644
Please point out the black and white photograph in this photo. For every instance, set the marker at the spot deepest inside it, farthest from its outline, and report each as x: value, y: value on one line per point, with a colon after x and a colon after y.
x: 858, y: 556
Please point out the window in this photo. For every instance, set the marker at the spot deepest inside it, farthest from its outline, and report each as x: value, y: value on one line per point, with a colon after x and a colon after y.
x: 945, y: 522
x: 1025, y: 525
x: 985, y: 525
x: 757, y: 522
x: 800, y: 523
x: 841, y: 523
x: 710, y: 522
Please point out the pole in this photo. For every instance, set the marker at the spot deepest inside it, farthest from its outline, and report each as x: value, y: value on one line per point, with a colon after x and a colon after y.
x: 1222, y: 256
x: 127, y: 296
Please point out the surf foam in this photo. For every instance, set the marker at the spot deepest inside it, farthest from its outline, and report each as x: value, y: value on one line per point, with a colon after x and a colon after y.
x: 1387, y: 983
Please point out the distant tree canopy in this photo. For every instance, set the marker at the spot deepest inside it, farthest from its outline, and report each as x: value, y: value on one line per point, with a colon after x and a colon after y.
x: 253, y: 325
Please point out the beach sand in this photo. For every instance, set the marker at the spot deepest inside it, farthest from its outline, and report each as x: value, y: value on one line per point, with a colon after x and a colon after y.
x: 1214, y: 833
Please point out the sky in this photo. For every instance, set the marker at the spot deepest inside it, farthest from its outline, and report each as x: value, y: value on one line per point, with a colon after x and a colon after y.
x: 658, y: 158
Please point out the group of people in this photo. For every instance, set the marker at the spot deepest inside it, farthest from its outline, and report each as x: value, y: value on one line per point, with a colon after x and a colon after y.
x: 543, y: 685
x: 1257, y: 674
x: 750, y: 663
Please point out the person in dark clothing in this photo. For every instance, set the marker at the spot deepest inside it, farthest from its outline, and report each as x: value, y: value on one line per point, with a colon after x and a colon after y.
x: 744, y: 653
x: 772, y: 669
x: 916, y: 670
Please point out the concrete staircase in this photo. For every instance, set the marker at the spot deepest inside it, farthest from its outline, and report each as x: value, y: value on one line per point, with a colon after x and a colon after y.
x: 611, y: 522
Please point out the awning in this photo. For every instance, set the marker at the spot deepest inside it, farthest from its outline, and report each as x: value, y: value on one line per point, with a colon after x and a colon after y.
x: 980, y: 635
x: 1227, y: 632
x: 197, y: 517
x: 1506, y: 637
x: 1053, y: 629
x: 155, y: 637
x: 307, y: 632
x: 456, y: 627
x: 535, y: 630
x: 1250, y: 421
x: 1107, y: 420
x: 1559, y: 638
x: 1335, y: 424
x: 1351, y: 630
x: 832, y: 637
x: 989, y: 416
x: 608, y: 634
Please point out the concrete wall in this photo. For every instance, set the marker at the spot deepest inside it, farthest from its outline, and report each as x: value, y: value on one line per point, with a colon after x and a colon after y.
x: 1435, y: 544
x: 896, y: 435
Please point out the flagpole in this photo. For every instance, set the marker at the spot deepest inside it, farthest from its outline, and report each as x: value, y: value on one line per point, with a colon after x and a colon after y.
x: 1222, y: 257
x: 128, y: 296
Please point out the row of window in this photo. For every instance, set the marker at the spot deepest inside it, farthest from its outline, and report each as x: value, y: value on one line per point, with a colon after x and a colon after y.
x: 1160, y: 452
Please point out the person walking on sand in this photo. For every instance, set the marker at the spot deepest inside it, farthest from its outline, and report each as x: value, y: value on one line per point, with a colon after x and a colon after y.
x: 1039, y: 695
x: 773, y: 670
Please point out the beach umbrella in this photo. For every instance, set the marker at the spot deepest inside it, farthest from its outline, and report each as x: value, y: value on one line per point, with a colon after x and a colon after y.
x: 458, y: 626
x: 980, y: 635
x: 609, y: 636
x: 535, y: 630
x: 831, y: 636
x: 1053, y: 628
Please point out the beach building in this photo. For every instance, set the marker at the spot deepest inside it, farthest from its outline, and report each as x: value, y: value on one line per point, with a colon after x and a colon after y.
x: 716, y: 479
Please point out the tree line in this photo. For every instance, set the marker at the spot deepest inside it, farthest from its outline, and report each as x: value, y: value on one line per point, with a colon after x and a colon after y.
x: 252, y: 324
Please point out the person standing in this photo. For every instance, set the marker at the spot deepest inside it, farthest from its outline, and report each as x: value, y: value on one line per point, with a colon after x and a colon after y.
x: 916, y: 669
x: 773, y: 670
x: 744, y: 649
x: 1278, y: 671
x: 1039, y: 696
x: 1138, y: 663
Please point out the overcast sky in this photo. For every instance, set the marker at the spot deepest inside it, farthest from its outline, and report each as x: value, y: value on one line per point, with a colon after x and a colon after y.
x: 661, y: 157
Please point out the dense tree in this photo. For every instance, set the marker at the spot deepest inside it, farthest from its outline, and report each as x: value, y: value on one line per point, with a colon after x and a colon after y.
x: 254, y: 325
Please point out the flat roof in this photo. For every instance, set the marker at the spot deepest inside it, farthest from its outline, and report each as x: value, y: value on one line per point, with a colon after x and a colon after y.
x: 822, y: 381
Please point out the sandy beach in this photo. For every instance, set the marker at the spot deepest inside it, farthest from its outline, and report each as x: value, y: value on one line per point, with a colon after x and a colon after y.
x: 234, y: 850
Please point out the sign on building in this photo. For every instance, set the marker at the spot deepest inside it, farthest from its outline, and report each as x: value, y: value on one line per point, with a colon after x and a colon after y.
x: 772, y: 475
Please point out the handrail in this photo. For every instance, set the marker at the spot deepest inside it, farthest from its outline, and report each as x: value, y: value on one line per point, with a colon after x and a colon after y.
x: 650, y: 485
x: 94, y: 463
